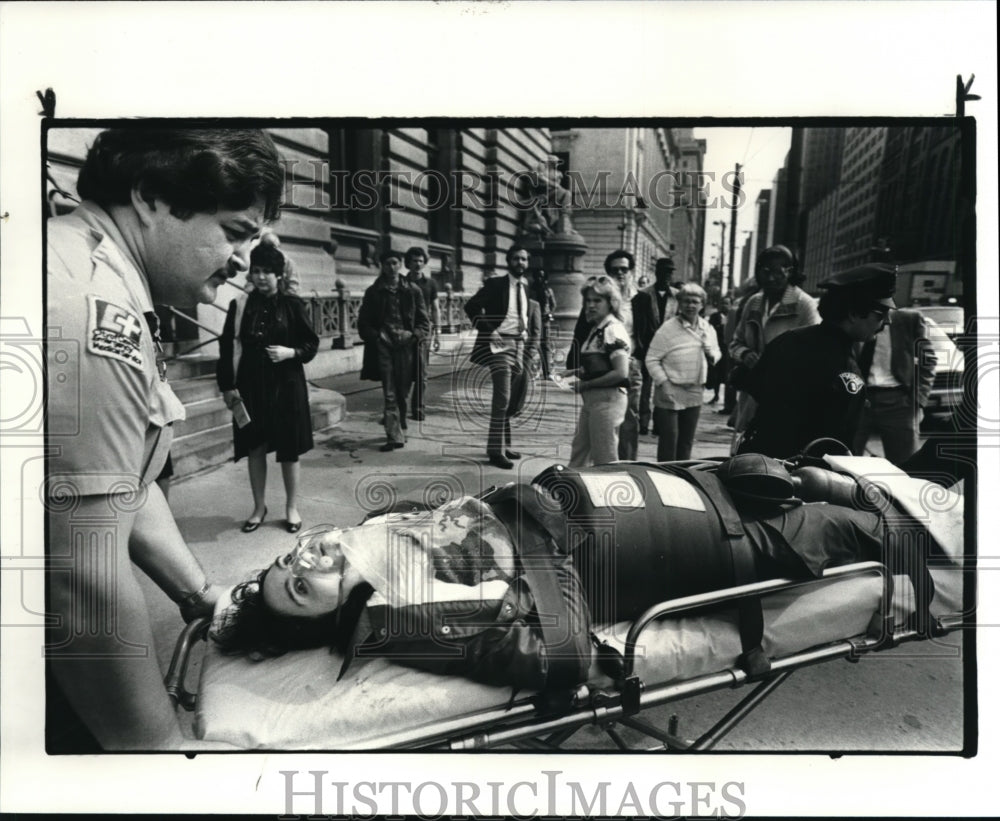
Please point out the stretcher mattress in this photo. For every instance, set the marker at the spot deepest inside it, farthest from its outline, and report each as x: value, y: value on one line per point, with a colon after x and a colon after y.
x: 296, y: 703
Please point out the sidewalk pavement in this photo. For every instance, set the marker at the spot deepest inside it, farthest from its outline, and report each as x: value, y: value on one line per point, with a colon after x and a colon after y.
x: 344, y: 476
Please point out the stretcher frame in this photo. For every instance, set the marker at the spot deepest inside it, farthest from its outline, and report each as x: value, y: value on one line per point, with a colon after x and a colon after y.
x: 546, y: 722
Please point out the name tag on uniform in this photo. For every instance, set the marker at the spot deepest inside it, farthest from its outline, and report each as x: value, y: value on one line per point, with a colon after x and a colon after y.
x: 114, y: 332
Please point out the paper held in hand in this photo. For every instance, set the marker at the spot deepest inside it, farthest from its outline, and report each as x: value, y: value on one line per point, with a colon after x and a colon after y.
x: 240, y: 414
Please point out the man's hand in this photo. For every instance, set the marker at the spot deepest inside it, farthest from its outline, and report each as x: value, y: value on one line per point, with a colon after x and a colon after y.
x: 751, y: 358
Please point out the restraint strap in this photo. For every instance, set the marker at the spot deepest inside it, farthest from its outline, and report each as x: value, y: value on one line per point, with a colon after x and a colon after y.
x: 567, y: 642
x: 753, y: 660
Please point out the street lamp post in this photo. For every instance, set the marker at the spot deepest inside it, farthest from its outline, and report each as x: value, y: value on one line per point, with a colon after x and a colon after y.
x: 722, y: 247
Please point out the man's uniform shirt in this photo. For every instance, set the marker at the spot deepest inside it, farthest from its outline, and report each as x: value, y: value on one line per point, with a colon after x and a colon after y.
x: 108, y: 406
x: 808, y: 386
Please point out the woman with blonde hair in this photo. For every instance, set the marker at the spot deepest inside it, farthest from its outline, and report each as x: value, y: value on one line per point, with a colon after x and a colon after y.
x: 677, y: 360
x: 602, y: 378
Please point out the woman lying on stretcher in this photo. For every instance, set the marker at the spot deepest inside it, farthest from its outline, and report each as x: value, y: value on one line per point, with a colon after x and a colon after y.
x: 459, y: 589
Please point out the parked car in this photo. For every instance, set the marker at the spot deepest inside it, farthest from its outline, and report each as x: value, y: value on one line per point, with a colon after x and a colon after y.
x: 949, y: 318
x: 946, y: 392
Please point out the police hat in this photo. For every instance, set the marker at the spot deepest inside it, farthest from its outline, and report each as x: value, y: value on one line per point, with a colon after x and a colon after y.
x: 875, y: 280
x: 390, y: 255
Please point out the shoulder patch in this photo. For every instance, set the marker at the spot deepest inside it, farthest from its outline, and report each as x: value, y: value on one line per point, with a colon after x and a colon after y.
x: 113, y: 331
x: 852, y: 382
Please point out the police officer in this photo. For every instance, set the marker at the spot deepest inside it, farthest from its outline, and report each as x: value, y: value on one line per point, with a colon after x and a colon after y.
x: 808, y: 383
x: 168, y: 215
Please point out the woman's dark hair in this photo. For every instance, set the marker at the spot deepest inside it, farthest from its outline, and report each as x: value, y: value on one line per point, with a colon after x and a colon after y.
x: 269, y: 258
x: 193, y: 170
x: 250, y: 627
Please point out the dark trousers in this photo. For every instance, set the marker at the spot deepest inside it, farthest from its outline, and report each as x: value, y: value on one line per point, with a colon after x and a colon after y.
x: 645, y: 396
x: 421, y: 362
x: 676, y: 430
x: 510, y: 388
x: 395, y: 365
x: 891, y: 413
x: 628, y: 433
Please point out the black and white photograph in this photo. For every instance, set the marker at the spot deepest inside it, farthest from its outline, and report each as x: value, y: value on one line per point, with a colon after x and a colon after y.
x: 596, y: 433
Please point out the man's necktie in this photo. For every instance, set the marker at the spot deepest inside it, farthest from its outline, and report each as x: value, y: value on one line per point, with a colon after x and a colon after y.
x: 521, y: 325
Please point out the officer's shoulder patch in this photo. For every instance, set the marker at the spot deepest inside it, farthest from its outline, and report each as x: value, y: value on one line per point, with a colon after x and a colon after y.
x: 852, y: 382
x: 114, y: 331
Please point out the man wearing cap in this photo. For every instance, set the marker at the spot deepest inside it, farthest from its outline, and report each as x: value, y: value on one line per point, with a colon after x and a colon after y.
x: 651, y: 307
x: 807, y: 383
x: 508, y: 323
x: 898, y: 366
x: 392, y: 322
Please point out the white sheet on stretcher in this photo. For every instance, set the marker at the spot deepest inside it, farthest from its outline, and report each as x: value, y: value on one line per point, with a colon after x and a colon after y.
x: 296, y: 702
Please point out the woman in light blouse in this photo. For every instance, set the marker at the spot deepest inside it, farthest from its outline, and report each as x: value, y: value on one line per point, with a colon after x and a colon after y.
x: 603, y: 375
x: 677, y: 360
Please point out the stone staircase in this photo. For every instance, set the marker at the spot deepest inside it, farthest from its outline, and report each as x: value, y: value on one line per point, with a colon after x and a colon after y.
x: 205, y: 438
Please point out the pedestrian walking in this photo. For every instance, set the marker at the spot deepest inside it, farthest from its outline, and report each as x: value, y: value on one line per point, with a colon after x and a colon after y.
x: 718, y: 374
x: 651, y: 307
x: 391, y: 321
x: 508, y: 324
x: 415, y: 261
x: 265, y: 341
x: 678, y: 361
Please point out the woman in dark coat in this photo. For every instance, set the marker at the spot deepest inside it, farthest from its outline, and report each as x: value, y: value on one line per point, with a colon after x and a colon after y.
x: 260, y: 371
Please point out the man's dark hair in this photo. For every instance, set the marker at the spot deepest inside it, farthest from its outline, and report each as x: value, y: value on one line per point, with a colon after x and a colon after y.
x: 193, y: 170
x: 390, y: 254
x: 622, y: 254
x: 415, y: 251
x: 269, y: 258
x: 837, y: 304
x: 514, y: 249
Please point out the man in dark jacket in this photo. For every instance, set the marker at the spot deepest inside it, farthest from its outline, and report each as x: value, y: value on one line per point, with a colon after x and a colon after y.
x: 392, y: 321
x: 807, y: 382
x: 651, y: 306
x: 508, y: 323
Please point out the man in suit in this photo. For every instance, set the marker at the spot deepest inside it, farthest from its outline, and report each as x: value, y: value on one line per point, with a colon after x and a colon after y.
x: 898, y: 366
x: 650, y: 307
x: 392, y: 322
x: 508, y: 323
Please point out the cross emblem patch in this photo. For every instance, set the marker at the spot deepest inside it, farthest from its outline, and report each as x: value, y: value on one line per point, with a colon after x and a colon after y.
x: 114, y: 332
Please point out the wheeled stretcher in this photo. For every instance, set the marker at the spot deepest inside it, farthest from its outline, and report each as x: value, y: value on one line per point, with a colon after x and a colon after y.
x: 681, y: 647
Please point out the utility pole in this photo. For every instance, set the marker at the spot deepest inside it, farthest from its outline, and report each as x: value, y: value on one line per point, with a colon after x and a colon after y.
x: 732, y: 229
x: 722, y: 250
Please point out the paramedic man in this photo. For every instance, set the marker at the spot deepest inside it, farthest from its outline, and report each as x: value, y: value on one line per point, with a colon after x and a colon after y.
x: 167, y: 216
x: 808, y: 384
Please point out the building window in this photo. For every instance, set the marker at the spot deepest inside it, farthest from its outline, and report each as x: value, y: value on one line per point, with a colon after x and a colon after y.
x: 354, y: 162
x: 442, y: 159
